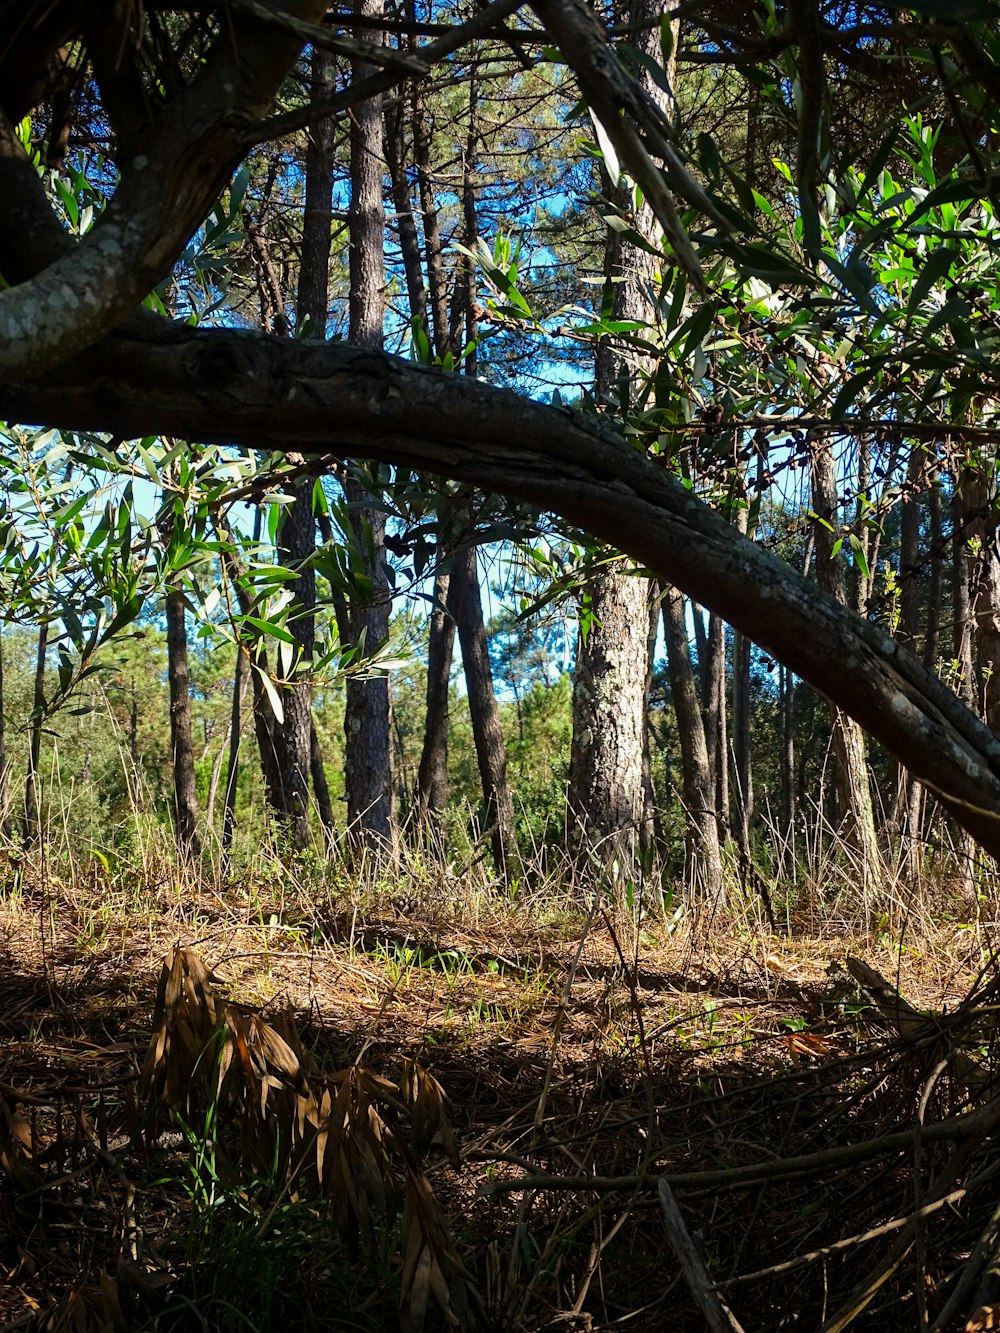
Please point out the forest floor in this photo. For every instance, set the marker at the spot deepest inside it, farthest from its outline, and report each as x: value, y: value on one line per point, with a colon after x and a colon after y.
x: 746, y: 1068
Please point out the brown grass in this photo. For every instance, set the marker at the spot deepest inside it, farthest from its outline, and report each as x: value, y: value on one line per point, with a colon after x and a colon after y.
x: 598, y: 1052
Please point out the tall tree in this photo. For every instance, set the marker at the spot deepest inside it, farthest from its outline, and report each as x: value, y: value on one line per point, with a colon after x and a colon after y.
x: 181, y: 744
x: 466, y: 608
x: 367, y: 723
x: 606, y: 780
x: 854, y: 801
x: 704, y: 854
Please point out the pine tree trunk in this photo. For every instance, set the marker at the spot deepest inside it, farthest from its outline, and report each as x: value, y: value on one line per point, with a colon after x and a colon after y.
x: 908, y: 792
x: 432, y: 775
x: 704, y: 854
x: 4, y: 771
x: 606, y: 793
x: 466, y: 607
x: 855, y: 814
x: 233, y: 766
x: 181, y: 745
x: 608, y: 784
x: 368, y: 721
x: 966, y: 852
x: 716, y: 720
x: 32, y: 799
x: 291, y: 734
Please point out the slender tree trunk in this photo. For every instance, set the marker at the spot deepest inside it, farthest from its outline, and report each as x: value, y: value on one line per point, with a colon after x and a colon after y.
x: 466, y: 607
x: 32, y: 800
x: 607, y: 786
x: 908, y: 793
x: 368, y: 720
x: 789, y: 793
x: 4, y: 771
x: 233, y: 766
x: 966, y: 852
x: 984, y: 587
x: 292, y: 732
x: 432, y: 775
x: 181, y: 745
x: 651, y: 832
x: 704, y: 854
x: 854, y: 802
x: 716, y: 720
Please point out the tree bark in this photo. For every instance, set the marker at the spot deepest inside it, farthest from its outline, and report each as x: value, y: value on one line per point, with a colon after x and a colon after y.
x: 607, y: 786
x: 4, y: 769
x: 704, y: 854
x: 466, y: 607
x: 181, y: 745
x: 291, y: 733
x: 606, y: 794
x: 32, y: 799
x: 233, y: 766
x: 368, y: 720
x: 432, y: 775
x: 854, y: 801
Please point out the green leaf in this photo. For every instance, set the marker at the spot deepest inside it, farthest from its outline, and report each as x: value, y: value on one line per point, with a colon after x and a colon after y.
x: 607, y: 150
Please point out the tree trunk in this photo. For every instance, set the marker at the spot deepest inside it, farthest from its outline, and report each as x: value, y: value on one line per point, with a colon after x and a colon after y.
x: 368, y: 721
x: 291, y: 733
x: 716, y: 720
x: 432, y: 775
x: 32, y: 800
x: 966, y: 856
x: 466, y: 607
x: 609, y: 685
x: 4, y: 771
x: 607, y: 786
x: 181, y: 745
x: 704, y: 856
x: 854, y: 802
x: 908, y: 791
x: 233, y: 766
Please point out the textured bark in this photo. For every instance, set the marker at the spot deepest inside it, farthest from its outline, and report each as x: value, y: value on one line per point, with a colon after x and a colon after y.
x: 908, y: 793
x: 742, y: 778
x: 466, y: 607
x: 609, y: 686
x: 854, y: 801
x: 190, y: 146
x: 4, y: 772
x: 703, y: 852
x: 291, y: 734
x: 368, y: 719
x: 321, y: 788
x: 716, y: 719
x: 432, y: 775
x: 608, y: 776
x: 982, y: 511
x: 233, y: 766
x: 181, y: 746
x: 961, y: 650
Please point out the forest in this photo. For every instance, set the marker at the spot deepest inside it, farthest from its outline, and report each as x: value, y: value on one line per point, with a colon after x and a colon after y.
x: 499, y: 665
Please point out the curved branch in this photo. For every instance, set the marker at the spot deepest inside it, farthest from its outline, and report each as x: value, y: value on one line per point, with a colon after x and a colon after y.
x: 227, y: 387
x: 165, y: 192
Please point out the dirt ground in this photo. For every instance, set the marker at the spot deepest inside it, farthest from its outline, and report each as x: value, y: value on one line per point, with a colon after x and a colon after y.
x: 748, y: 1071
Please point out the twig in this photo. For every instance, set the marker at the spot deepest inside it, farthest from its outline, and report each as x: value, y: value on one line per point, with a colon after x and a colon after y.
x: 957, y: 1128
x: 718, y: 1317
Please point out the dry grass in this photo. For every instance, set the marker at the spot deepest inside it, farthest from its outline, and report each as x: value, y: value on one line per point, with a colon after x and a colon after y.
x: 598, y: 1050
